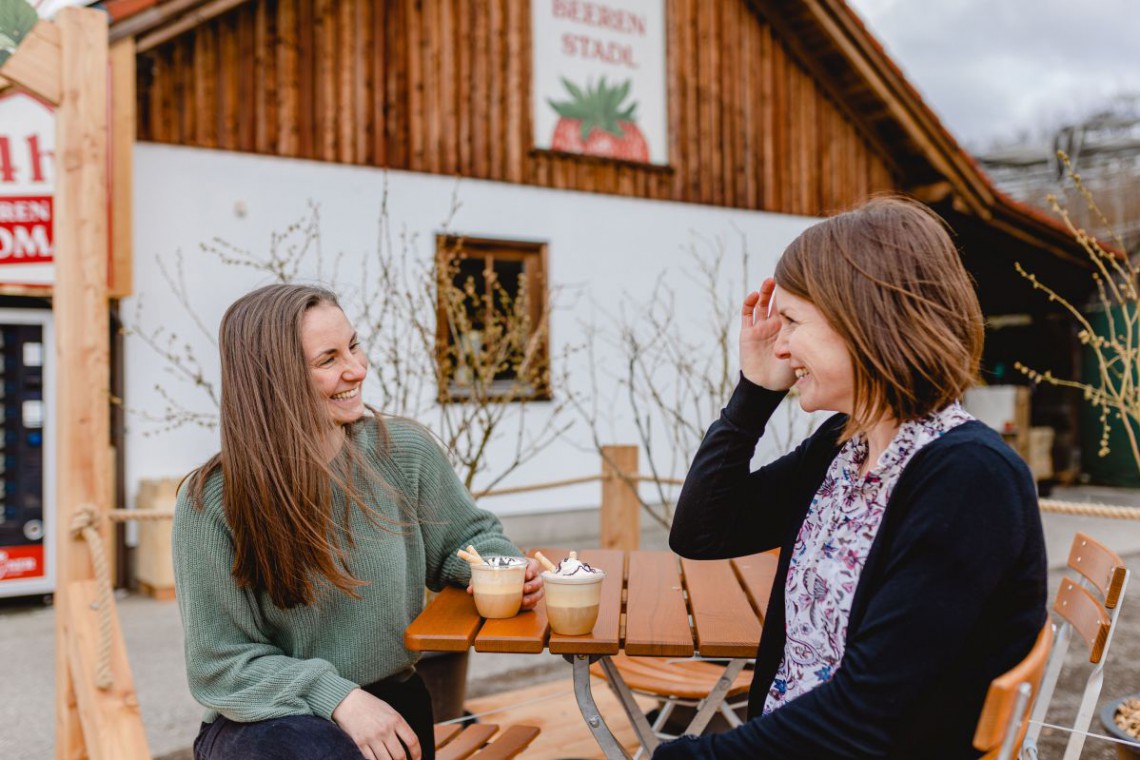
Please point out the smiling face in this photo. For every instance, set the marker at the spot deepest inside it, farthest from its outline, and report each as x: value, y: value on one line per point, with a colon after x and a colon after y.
x: 825, y: 375
x: 336, y: 362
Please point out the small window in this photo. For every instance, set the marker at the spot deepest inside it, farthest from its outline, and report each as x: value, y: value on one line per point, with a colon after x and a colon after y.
x: 491, y: 320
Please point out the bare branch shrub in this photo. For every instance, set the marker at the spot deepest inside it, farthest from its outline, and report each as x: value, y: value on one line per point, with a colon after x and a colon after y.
x: 673, y: 376
x: 1116, y: 391
x: 467, y: 363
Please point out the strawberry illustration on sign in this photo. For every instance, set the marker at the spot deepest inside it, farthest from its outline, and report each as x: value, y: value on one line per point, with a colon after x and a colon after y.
x: 596, y: 123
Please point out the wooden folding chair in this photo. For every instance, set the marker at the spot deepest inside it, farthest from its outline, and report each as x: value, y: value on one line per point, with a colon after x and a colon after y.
x: 481, y: 741
x: 1003, y: 723
x: 1094, y: 620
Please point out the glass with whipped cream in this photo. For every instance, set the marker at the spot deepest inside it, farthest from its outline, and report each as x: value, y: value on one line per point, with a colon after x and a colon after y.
x: 573, y: 593
x: 498, y: 586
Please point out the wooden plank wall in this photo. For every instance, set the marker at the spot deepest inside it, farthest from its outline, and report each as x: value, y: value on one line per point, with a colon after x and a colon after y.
x: 443, y: 86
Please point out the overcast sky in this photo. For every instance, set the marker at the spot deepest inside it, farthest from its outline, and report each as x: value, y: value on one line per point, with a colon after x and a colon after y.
x: 992, y: 69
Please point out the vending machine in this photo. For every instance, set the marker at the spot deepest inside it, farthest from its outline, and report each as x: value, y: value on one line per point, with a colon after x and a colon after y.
x: 27, y: 462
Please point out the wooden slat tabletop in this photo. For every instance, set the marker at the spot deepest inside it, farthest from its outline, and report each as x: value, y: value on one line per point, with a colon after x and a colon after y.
x: 656, y: 621
x: 721, y: 619
x: 756, y: 573
x: 606, y: 636
x: 656, y: 617
x: 447, y: 624
x: 524, y: 633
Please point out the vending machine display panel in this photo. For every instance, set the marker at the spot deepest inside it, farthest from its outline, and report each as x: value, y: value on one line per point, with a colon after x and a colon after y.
x: 26, y: 512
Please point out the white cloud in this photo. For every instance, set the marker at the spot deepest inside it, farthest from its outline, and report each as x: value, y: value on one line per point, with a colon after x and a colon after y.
x: 994, y: 68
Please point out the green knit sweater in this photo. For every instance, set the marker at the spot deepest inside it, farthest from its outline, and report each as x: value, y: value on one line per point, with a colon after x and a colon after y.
x: 249, y: 660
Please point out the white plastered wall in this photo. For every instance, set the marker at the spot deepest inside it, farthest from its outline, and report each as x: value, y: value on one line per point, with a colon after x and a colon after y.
x: 604, y: 251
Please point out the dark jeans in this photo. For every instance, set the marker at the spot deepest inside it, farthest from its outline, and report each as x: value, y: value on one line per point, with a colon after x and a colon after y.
x: 307, y: 737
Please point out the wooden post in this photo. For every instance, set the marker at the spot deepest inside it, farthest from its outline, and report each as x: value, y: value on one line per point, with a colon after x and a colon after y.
x: 66, y: 63
x: 80, y: 305
x: 620, y: 505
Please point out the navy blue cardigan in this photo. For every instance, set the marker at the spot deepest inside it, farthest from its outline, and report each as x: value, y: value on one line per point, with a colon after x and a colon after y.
x: 952, y: 594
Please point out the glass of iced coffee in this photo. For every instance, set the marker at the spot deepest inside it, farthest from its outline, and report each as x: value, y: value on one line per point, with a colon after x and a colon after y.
x: 573, y: 592
x: 498, y: 586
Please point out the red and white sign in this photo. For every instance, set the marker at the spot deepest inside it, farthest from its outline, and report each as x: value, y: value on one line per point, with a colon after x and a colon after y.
x: 21, y: 562
x: 27, y: 184
x: 598, y: 78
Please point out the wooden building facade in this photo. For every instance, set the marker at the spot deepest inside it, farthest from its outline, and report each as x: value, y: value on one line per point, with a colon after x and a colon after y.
x: 786, y: 107
x: 443, y: 87
x: 775, y: 107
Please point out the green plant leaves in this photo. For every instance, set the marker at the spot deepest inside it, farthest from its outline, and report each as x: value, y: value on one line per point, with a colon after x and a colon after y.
x: 16, y: 19
x: 598, y: 107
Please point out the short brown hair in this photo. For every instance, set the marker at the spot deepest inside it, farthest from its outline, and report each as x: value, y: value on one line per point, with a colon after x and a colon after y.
x: 889, y: 280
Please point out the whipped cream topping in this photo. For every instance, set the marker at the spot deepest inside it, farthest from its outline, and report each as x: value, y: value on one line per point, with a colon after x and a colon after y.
x: 503, y: 561
x: 573, y: 566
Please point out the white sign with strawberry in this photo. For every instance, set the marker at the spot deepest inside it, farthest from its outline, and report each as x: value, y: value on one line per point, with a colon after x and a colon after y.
x: 599, y: 78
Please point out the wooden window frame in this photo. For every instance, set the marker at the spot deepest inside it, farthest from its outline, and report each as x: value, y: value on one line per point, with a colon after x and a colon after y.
x: 533, y: 256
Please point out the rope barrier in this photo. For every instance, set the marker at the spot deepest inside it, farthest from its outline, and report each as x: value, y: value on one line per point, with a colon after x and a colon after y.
x: 1047, y: 505
x: 125, y: 515
x: 537, y: 486
x: 1090, y: 510
x: 662, y: 481
x: 83, y: 524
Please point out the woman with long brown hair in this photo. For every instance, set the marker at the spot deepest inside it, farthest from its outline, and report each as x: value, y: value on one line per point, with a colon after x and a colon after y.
x: 303, y: 548
x: 912, y: 562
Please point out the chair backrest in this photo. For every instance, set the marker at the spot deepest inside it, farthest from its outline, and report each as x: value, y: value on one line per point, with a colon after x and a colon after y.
x: 1094, y: 621
x: 1100, y: 566
x: 1003, y: 723
x: 1086, y: 615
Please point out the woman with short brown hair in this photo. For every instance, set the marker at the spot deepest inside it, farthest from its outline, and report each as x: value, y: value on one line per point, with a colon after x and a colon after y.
x: 912, y: 564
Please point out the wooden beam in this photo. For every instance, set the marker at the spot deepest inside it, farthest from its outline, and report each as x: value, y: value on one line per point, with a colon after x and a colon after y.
x: 935, y: 192
x: 122, y: 148
x: 112, y: 726
x: 82, y: 428
x: 1039, y: 241
x: 153, y: 17
x: 35, y: 66
x: 901, y: 102
x: 189, y: 21
x: 772, y: 12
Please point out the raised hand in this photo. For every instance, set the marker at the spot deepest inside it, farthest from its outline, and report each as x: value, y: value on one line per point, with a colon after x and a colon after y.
x: 377, y: 729
x: 759, y: 328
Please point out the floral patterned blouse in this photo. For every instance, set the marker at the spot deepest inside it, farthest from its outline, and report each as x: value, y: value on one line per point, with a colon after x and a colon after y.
x: 832, y: 547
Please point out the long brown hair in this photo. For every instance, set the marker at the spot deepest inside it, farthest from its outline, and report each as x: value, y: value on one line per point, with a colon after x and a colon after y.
x: 888, y: 279
x: 278, y: 485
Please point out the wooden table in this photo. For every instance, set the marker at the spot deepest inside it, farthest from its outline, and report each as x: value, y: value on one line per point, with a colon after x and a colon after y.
x: 654, y: 604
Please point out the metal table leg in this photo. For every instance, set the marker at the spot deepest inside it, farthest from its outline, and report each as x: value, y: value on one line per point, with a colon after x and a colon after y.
x: 637, y: 719
x: 594, y: 721
x: 711, y: 703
